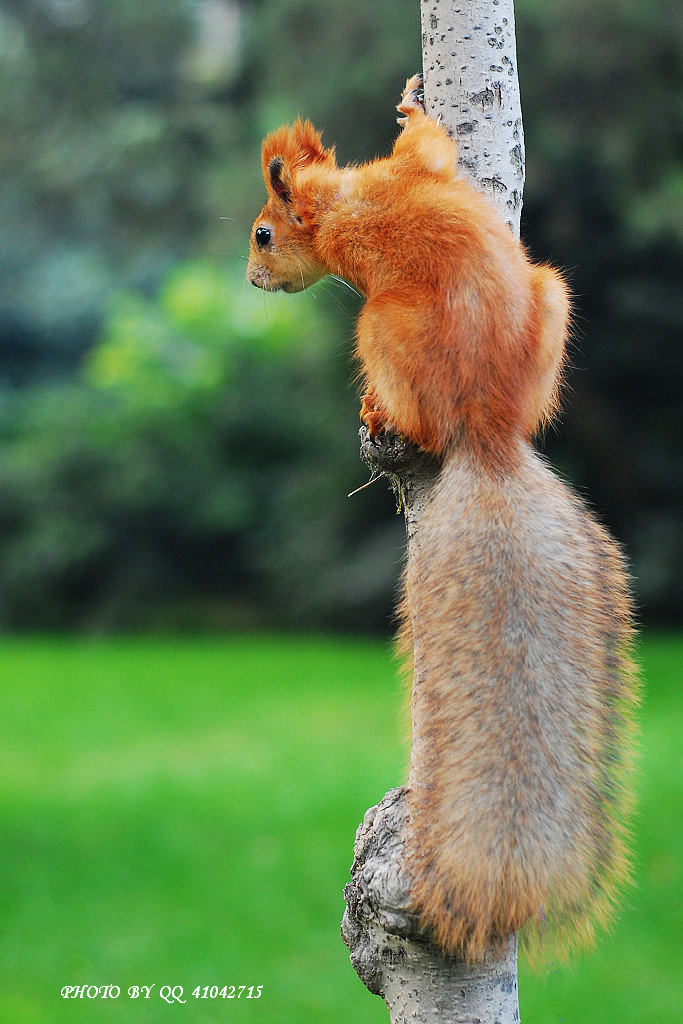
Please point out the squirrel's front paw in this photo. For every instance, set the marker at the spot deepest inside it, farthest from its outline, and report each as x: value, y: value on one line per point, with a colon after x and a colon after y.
x: 413, y: 98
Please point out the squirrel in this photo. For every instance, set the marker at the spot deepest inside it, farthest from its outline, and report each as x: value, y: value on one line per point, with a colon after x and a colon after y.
x: 516, y: 601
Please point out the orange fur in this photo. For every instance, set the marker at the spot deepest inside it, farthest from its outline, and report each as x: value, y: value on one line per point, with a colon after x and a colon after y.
x: 455, y: 336
x: 516, y: 602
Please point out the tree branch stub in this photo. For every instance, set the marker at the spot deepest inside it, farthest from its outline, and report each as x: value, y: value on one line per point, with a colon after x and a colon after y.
x: 393, y: 959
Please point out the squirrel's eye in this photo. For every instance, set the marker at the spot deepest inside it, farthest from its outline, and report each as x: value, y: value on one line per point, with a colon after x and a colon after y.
x: 262, y: 236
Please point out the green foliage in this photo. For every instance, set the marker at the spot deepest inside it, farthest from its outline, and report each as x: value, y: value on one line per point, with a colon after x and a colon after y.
x: 574, y: 52
x: 186, y: 349
x: 183, y: 812
x: 196, y: 471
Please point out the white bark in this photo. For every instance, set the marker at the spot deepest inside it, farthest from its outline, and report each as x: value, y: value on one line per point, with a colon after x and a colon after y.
x: 470, y: 69
x: 471, y: 83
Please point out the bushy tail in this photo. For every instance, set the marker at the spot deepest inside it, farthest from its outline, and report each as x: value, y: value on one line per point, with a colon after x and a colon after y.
x: 517, y: 606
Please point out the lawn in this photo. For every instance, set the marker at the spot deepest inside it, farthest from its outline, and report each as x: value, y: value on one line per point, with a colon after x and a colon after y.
x: 181, y: 812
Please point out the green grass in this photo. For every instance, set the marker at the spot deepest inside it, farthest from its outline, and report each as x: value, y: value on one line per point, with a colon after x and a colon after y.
x: 182, y: 812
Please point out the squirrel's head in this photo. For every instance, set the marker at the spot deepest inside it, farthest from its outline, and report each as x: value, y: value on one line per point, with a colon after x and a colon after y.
x: 282, y: 254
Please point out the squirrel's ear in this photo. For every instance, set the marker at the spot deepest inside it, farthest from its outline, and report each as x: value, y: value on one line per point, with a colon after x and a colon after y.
x: 288, y: 149
x: 279, y: 180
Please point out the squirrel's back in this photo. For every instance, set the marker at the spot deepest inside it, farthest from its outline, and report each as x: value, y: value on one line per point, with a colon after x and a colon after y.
x: 517, y: 606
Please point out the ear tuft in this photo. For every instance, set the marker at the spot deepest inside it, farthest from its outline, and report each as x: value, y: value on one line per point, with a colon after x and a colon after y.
x: 288, y: 149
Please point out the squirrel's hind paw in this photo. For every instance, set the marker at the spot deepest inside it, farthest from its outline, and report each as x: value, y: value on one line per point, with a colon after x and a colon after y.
x: 413, y: 98
x: 370, y: 415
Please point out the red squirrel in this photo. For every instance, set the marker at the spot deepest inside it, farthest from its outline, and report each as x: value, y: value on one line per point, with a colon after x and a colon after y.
x: 516, y: 601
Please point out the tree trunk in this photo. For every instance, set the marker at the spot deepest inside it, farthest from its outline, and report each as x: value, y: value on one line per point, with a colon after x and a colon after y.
x: 470, y: 69
x: 471, y: 83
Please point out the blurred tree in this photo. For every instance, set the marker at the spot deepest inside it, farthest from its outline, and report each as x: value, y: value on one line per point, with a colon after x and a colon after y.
x: 601, y: 90
x: 108, y: 129
x: 128, y: 130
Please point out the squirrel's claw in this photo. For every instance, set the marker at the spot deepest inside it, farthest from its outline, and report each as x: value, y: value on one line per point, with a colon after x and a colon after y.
x: 413, y: 98
x: 371, y: 417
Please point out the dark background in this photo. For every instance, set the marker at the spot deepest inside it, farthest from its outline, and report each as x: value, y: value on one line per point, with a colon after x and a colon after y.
x: 176, y: 448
